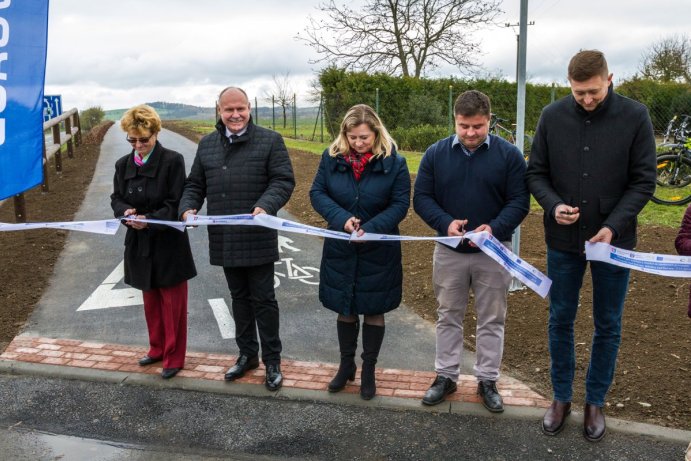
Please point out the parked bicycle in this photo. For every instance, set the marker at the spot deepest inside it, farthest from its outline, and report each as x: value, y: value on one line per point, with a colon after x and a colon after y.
x: 674, y: 164
x: 677, y: 129
x: 497, y: 129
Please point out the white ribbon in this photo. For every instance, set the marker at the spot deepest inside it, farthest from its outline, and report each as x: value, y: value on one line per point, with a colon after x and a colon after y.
x: 523, y: 271
x: 652, y: 263
x: 106, y: 226
x: 174, y: 224
x: 273, y: 222
x: 518, y: 268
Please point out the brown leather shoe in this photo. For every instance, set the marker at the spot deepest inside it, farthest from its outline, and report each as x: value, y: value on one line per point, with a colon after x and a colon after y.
x: 554, y: 419
x: 593, y: 423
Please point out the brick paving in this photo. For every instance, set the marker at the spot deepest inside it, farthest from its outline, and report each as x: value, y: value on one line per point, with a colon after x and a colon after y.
x: 409, y: 384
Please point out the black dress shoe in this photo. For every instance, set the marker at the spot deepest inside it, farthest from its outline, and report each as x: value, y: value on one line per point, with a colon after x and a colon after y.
x: 146, y: 360
x: 168, y: 373
x: 490, y: 396
x: 593, y: 423
x: 440, y: 388
x: 274, y: 378
x: 242, y: 366
x: 555, y: 418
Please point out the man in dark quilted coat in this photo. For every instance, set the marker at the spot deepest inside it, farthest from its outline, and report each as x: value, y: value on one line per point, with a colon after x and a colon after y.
x: 242, y: 168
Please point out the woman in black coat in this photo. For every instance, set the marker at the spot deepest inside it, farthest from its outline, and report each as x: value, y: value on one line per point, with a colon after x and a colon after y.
x: 362, y: 185
x: 148, y: 184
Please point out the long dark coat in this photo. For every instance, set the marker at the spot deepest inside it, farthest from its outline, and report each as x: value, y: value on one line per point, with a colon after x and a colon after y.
x: 157, y: 256
x: 361, y: 278
x: 253, y: 171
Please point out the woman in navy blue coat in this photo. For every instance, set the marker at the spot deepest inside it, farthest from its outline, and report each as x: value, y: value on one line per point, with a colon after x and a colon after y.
x: 362, y: 185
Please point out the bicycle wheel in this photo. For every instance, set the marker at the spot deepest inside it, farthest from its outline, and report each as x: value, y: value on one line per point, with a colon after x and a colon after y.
x: 673, y: 180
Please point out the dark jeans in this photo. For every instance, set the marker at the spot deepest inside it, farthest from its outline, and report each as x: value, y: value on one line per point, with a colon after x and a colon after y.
x: 610, y: 284
x: 255, y: 307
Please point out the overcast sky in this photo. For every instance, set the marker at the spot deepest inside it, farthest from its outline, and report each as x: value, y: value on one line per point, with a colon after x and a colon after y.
x: 118, y: 54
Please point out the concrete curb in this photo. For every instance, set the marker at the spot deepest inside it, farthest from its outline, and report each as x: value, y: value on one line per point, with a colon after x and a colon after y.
x: 389, y: 403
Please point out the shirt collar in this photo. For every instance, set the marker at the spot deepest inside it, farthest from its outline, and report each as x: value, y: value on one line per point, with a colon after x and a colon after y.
x: 467, y: 151
x: 144, y: 158
x: 228, y: 133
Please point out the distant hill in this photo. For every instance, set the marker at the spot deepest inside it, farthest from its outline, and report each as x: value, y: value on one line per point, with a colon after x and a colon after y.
x: 177, y: 111
x: 170, y: 111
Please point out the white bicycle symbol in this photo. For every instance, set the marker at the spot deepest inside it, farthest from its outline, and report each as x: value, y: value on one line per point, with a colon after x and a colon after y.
x: 305, y: 274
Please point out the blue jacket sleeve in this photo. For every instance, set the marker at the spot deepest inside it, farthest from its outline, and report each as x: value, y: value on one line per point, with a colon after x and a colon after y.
x: 399, y: 202
x: 517, y: 199
x: 424, y: 198
x: 281, y: 179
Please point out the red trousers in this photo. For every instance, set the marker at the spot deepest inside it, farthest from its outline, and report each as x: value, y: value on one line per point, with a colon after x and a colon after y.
x: 165, y: 310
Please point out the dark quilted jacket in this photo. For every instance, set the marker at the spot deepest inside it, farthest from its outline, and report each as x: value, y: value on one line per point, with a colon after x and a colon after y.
x: 253, y: 171
x: 367, y: 277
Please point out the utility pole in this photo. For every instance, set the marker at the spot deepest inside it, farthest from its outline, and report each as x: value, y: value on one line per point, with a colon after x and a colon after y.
x: 520, y: 74
x: 520, y: 111
x: 518, y: 38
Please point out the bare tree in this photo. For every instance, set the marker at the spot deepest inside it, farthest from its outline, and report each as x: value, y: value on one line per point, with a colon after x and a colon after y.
x: 281, y: 93
x: 404, y: 37
x: 668, y: 60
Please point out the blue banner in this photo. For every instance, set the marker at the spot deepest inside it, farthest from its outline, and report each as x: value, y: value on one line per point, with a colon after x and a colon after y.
x: 23, y: 41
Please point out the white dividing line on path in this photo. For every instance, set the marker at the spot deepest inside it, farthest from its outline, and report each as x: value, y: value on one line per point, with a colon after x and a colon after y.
x: 225, y: 321
x: 105, y: 296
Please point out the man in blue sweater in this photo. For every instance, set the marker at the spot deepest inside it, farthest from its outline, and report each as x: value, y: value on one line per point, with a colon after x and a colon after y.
x: 476, y: 181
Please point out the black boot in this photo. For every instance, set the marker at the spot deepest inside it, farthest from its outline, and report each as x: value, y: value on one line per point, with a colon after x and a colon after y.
x: 372, y: 337
x: 347, y: 342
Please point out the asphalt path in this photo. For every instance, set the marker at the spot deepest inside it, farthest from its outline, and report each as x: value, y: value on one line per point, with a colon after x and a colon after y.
x: 87, y: 299
x: 104, y: 421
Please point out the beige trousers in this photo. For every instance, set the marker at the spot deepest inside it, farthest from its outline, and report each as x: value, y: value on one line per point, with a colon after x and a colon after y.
x: 454, y: 275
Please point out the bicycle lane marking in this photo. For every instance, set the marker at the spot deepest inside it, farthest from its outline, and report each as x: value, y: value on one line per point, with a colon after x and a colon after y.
x: 285, y: 242
x: 106, y: 296
x: 293, y: 271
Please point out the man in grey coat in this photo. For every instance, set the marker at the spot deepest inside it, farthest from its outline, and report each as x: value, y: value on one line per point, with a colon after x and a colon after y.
x: 592, y: 169
x: 242, y: 168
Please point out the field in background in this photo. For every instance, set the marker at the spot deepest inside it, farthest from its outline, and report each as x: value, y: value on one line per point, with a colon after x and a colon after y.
x: 206, y: 126
x: 653, y: 213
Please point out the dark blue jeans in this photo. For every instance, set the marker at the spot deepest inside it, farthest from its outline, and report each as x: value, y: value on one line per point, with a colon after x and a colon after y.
x: 610, y: 284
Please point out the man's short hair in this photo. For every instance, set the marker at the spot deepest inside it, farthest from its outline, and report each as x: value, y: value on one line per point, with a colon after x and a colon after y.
x: 587, y: 64
x: 228, y: 88
x: 471, y: 103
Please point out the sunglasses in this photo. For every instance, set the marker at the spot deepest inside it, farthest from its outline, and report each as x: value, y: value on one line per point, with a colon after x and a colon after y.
x: 134, y: 141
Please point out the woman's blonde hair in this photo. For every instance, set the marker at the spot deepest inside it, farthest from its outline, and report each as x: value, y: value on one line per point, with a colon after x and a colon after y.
x: 140, y: 119
x: 356, y: 116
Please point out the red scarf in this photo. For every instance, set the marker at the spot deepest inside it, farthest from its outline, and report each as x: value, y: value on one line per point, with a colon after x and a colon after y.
x: 358, y: 162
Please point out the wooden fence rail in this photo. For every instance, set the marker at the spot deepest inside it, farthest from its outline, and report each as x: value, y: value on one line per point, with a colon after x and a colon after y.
x: 72, y: 136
